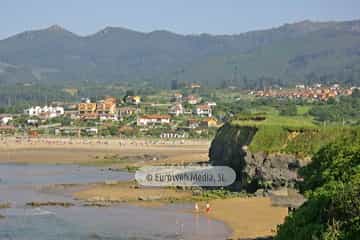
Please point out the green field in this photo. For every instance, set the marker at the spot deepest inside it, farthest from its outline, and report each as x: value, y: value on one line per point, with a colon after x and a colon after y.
x: 274, y: 119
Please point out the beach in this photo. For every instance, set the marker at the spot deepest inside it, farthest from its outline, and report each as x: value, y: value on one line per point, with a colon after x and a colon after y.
x: 247, y: 217
x: 82, y: 151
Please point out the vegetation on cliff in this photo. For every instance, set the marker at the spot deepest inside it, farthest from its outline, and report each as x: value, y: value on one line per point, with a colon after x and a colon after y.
x: 253, y: 170
x: 332, y: 185
x: 298, y: 135
x: 266, y: 149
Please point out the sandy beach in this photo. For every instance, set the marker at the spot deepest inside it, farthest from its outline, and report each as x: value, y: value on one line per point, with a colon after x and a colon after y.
x: 247, y: 217
x: 81, y: 151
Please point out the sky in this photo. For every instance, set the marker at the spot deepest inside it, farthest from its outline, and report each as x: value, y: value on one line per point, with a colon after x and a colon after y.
x: 86, y: 17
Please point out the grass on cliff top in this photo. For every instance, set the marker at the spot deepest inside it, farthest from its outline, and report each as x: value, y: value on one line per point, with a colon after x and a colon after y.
x: 290, y: 134
x: 273, y: 119
x: 301, y: 143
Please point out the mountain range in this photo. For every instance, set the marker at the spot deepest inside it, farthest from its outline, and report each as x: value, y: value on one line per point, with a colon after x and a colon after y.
x: 302, y: 52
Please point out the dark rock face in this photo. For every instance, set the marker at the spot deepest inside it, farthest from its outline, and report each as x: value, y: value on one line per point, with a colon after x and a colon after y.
x: 254, y: 170
x: 226, y: 148
x: 270, y: 170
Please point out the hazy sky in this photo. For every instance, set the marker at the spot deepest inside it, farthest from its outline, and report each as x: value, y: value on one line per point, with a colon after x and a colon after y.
x: 181, y: 16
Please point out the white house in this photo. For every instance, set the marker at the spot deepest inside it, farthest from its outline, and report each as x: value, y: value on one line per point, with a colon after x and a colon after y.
x: 5, y: 119
x: 45, y: 112
x: 203, y: 110
x: 108, y: 117
x: 153, y: 120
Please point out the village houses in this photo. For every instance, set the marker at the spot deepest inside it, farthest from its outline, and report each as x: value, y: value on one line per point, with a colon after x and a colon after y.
x: 316, y: 92
x: 103, y: 110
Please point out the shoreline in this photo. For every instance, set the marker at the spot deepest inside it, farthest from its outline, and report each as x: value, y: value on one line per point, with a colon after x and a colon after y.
x: 84, y: 151
x: 239, y: 214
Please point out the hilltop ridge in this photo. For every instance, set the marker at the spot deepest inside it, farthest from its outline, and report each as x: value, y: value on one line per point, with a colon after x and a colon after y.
x: 285, y: 55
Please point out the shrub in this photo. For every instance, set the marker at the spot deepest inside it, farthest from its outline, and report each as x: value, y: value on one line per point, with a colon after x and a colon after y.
x: 332, y: 185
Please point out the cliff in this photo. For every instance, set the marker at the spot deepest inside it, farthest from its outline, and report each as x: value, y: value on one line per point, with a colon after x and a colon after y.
x: 266, y: 156
x: 254, y: 170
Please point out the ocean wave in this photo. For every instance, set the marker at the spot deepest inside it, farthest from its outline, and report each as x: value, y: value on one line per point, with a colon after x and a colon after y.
x: 40, y: 212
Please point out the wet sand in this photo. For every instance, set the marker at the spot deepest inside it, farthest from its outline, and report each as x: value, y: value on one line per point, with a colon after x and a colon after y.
x: 248, y: 217
x: 130, y: 192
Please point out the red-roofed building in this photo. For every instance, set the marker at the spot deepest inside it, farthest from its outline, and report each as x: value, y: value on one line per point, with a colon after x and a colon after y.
x: 203, y: 110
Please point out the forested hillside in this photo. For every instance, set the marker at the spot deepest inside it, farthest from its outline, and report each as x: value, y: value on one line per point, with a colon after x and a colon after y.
x: 293, y: 53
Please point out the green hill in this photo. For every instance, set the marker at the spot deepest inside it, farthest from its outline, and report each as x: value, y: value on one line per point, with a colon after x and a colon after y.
x: 321, y: 56
x: 293, y: 53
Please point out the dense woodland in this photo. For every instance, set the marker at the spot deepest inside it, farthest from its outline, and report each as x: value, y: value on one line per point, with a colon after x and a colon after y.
x: 300, y: 53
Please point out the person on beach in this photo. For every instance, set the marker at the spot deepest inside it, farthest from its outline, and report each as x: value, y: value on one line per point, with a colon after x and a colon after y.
x: 196, y: 208
x: 208, y: 207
